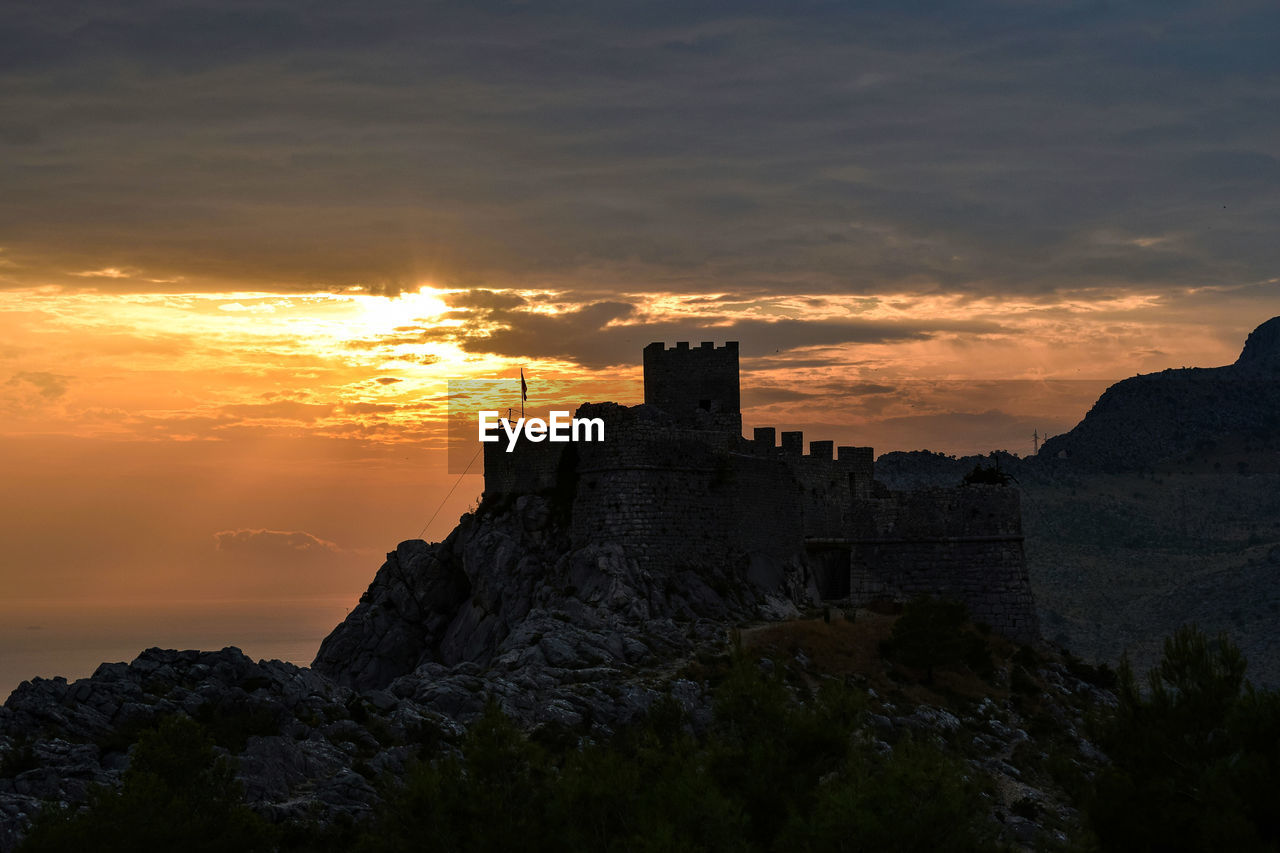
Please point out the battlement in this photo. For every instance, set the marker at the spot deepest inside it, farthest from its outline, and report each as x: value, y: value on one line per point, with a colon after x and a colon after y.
x: 704, y: 346
x: 697, y: 386
x: 855, y: 464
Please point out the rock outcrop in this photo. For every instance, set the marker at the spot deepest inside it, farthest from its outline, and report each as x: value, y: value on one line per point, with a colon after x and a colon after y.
x: 512, y: 608
x: 1262, y: 348
x: 506, y: 592
x: 1148, y: 419
x: 503, y: 610
x: 315, y: 754
x: 291, y: 727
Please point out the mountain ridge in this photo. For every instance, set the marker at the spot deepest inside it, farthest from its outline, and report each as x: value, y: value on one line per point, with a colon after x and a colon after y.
x: 1148, y: 419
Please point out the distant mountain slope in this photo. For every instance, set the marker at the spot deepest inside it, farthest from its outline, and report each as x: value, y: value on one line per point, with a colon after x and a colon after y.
x: 1161, y: 507
x: 1140, y: 422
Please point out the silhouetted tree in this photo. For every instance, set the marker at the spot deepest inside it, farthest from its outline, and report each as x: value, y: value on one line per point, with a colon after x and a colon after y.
x: 931, y: 634
x: 1196, y: 756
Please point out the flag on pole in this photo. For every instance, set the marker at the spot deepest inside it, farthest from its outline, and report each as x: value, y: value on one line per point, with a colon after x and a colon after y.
x: 524, y: 389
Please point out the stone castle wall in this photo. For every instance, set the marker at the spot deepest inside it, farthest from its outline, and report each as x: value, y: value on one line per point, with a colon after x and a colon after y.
x: 963, y: 543
x: 680, y: 496
x: 766, y: 521
x: 659, y: 491
x: 530, y: 467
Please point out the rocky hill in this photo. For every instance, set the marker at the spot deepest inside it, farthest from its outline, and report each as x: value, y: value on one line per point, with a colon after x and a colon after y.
x: 1162, y: 507
x: 323, y: 762
x: 506, y: 594
x: 575, y: 641
x: 1146, y: 420
x: 501, y: 610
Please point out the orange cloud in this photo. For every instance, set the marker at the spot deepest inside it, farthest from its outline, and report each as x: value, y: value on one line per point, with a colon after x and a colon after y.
x: 271, y: 541
x: 51, y: 386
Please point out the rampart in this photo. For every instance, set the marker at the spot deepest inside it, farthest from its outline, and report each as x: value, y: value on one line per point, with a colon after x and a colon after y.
x: 962, y: 543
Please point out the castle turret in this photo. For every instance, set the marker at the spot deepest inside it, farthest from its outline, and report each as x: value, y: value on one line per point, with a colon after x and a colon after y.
x: 698, y: 387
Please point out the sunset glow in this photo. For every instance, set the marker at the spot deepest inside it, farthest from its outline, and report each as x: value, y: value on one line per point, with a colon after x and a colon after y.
x: 352, y: 365
x: 240, y: 262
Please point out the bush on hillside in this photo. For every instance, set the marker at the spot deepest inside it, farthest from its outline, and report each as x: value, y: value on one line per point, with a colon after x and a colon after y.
x: 175, y: 795
x: 932, y: 634
x: 1196, y: 756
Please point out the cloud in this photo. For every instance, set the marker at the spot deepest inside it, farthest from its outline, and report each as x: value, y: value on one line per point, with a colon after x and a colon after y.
x: 260, y: 542
x: 105, y: 272
x: 290, y: 410
x: 381, y: 342
x: 844, y: 148
x: 607, y: 333
x: 484, y: 299
x: 387, y: 380
x: 258, y: 308
x: 765, y: 393
x: 50, y: 386
x: 369, y: 408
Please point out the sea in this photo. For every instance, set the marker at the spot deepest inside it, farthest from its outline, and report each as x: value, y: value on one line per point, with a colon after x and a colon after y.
x: 48, y: 639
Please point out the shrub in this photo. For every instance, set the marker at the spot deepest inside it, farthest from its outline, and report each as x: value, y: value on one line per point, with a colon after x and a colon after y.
x: 915, y: 798
x: 1196, y: 757
x: 982, y: 475
x: 175, y: 795
x: 771, y: 773
x: 931, y: 634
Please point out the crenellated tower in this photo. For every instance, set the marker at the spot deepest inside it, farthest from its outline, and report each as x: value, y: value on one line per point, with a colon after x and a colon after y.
x: 697, y: 387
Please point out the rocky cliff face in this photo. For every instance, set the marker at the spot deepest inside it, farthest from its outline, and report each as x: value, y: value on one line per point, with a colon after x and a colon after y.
x: 503, y: 610
x: 313, y: 754
x: 292, y: 729
x: 1148, y: 419
x: 1262, y: 348
x: 505, y: 591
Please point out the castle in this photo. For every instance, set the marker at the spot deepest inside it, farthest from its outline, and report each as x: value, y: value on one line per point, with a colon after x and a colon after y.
x: 678, y: 487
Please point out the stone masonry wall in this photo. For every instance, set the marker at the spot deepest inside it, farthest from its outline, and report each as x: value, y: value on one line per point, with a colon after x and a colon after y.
x: 660, y: 492
x: 963, y: 543
x: 530, y: 467
x: 828, y: 486
x: 766, y: 518
x: 698, y: 386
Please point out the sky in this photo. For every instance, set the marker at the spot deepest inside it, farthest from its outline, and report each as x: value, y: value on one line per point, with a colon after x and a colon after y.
x: 245, y: 246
